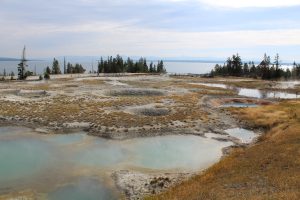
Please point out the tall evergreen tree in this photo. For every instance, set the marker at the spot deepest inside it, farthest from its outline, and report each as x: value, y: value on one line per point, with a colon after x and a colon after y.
x: 264, y: 70
x: 12, y: 74
x: 246, y: 69
x: 118, y: 65
x: 160, y: 67
x: 277, y: 73
x: 65, y: 67
x: 48, y: 70
x: 100, y: 66
x: 130, y: 66
x: 151, y: 69
x: 55, y: 67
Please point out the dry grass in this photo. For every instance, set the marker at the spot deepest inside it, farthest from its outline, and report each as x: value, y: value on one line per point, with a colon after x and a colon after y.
x: 26, y: 194
x: 136, y: 92
x: 107, y: 113
x: 40, y: 86
x: 270, y: 116
x: 92, y: 81
x: 269, y: 169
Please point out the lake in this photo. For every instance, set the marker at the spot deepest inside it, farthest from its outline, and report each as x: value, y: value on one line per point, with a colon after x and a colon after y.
x: 195, y: 67
x: 172, y: 67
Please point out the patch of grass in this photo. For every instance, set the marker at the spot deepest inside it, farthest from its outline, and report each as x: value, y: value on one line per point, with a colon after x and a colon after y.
x: 136, y: 92
x: 110, y: 112
x: 92, y: 81
x: 269, y: 169
x: 153, y: 111
x: 40, y: 86
x: 271, y: 115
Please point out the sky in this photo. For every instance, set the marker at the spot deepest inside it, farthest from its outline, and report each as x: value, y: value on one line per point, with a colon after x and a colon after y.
x: 159, y: 28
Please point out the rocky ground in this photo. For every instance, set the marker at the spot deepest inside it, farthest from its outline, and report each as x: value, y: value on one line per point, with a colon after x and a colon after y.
x: 112, y: 107
x: 121, y: 107
x: 133, y: 184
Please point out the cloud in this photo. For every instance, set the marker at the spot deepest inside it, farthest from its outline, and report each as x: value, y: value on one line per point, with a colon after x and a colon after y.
x: 246, y: 3
x: 135, y: 27
x: 110, y: 38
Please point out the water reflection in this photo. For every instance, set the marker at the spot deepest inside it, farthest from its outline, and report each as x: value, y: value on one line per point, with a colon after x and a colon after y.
x: 254, y: 93
x: 262, y: 94
x: 287, y: 84
x: 239, y: 105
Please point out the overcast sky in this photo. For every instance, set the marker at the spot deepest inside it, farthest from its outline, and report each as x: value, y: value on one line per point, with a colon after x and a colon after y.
x: 163, y: 28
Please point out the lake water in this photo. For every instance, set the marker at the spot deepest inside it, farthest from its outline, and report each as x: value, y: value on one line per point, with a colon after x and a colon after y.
x: 77, y: 166
x: 172, y: 67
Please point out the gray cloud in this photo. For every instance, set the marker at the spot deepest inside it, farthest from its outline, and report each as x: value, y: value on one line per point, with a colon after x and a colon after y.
x: 132, y: 27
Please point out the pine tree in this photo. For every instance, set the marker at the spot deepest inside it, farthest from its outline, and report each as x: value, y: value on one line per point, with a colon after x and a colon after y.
x: 117, y: 65
x: 48, y: 70
x: 46, y: 76
x: 145, y: 66
x: 160, y: 67
x: 246, y: 69
x: 130, y: 65
x: 65, y: 69
x: 277, y: 70
x: 287, y: 74
x: 151, y: 69
x: 70, y: 68
x: 12, y: 74
x: 55, y: 67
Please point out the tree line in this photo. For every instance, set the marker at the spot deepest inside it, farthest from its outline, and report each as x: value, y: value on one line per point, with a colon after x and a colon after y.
x: 111, y: 65
x: 266, y: 69
x: 68, y: 69
x: 118, y: 65
x: 4, y: 74
x: 74, y: 69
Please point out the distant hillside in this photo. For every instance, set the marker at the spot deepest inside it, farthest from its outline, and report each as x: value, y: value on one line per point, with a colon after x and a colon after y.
x: 8, y: 59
